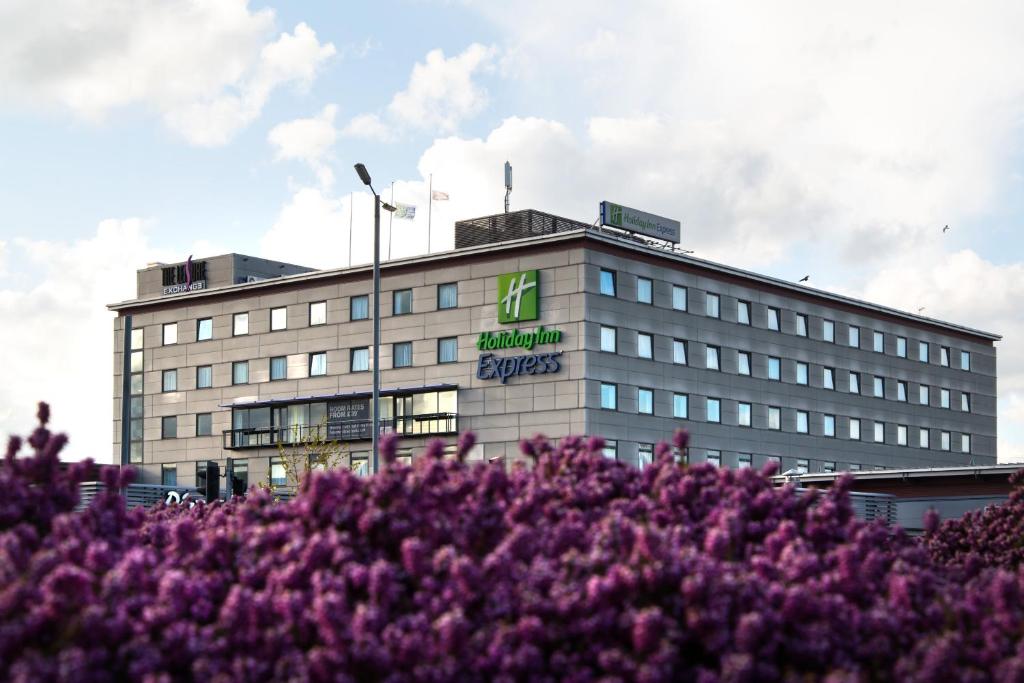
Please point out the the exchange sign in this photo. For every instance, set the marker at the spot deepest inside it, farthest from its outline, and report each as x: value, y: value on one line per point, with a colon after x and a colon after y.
x: 634, y: 220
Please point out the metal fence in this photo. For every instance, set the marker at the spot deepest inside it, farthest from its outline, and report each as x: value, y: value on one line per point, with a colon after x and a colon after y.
x: 146, y: 495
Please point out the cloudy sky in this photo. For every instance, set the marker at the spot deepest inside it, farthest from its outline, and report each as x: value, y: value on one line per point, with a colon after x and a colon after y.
x: 793, y: 138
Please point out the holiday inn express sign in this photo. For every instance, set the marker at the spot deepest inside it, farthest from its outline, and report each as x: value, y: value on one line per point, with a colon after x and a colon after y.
x: 634, y: 220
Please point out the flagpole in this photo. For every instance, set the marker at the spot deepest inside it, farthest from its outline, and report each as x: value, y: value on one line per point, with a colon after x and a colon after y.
x: 391, y: 217
x: 350, y: 196
x: 430, y: 207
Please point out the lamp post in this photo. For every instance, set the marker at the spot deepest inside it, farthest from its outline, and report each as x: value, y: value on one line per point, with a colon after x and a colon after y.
x: 364, y: 176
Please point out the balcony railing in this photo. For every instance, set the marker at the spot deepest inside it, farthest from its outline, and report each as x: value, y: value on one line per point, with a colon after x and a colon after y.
x: 432, y: 424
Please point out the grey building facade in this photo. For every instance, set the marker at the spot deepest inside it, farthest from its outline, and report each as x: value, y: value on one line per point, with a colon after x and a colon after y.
x: 610, y: 335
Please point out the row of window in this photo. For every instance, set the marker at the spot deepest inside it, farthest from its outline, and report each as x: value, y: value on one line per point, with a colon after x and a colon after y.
x: 773, y: 318
x: 773, y: 421
x: 645, y: 456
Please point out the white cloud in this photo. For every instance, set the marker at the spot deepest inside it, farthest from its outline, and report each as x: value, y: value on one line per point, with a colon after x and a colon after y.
x: 309, y: 140
x: 368, y: 127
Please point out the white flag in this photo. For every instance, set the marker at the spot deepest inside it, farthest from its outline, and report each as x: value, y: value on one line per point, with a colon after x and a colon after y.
x: 439, y: 196
x: 405, y: 211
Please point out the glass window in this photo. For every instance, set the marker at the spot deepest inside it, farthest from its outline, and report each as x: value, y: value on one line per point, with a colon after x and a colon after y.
x: 169, y: 475
x: 608, y: 282
x: 318, y: 364
x: 854, y: 383
x: 170, y: 333
x: 828, y: 427
x: 136, y: 384
x: 169, y: 427
x: 879, y: 342
x: 644, y: 290
x: 828, y: 330
x: 609, y: 397
x: 802, y: 421
x: 743, y: 414
x: 401, y: 355
x: 743, y: 460
x: 774, y: 417
x: 944, y: 398
x: 402, y: 302
x: 743, y: 363
x: 965, y: 443
x: 278, y: 318
x: 854, y: 336
x: 679, y: 351
x: 773, y: 319
x: 359, y: 307
x: 609, y: 341
x: 714, y: 410
x: 855, y: 467
x: 743, y: 312
x: 828, y: 467
x: 170, y: 380
x: 135, y: 408
x: 801, y: 373
x: 828, y: 378
x: 922, y: 351
x: 611, y: 449
x: 965, y: 402
x: 944, y: 356
x: 922, y: 437
x: 803, y: 465
x: 680, y: 405
x: 901, y: 390
x: 879, y: 386
x: 774, y: 368
x: 448, y: 350
x: 901, y: 347
x: 240, y: 324
x: 678, y: 298
x: 644, y: 455
x: 879, y: 432
x: 135, y: 429
x: 922, y: 395
x: 278, y: 477
x: 713, y: 458
x: 645, y: 401
x: 204, y: 329
x: 240, y: 372
x: 204, y: 377
x: 901, y: 435
x: 137, y: 337
x: 278, y: 368
x: 712, y: 305
x: 965, y: 360
x: 360, y: 359
x: 855, y: 429
x: 944, y: 441
x: 801, y: 325
x: 204, y: 424
x: 644, y: 345
x: 712, y: 358
x: 448, y: 295
x: 136, y: 359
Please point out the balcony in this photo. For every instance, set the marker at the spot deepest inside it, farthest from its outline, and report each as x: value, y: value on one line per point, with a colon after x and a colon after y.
x: 431, y: 424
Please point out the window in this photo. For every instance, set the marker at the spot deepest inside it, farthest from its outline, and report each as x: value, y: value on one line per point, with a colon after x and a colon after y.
x: 318, y: 313
x: 743, y: 414
x: 401, y: 300
x: 278, y: 318
x: 136, y: 361
x: 801, y: 325
x: 828, y: 378
x: 278, y: 368
x: 169, y: 427
x: 137, y: 338
x: 944, y: 356
x: 944, y: 398
x: 644, y: 455
x: 644, y: 290
x: 879, y: 432
x: 773, y: 318
x: 609, y: 396
x: 169, y: 381
x: 678, y: 298
x: 448, y: 350
x: 901, y: 390
x: 714, y: 410
x: 801, y: 373
x: 170, y: 333
x: 645, y: 401
x: 359, y: 307
x: 743, y: 460
x: 743, y: 312
x: 401, y: 355
x: 774, y: 418
x: 610, y: 449
x: 240, y: 372
x: 679, y: 351
x: 855, y: 429
x: 608, y: 339
x: 240, y: 324
x: 802, y: 421
x: 854, y: 383
x: 854, y: 336
x: 204, y: 329
x: 204, y: 377
x: 855, y: 467
x: 680, y: 406
x: 828, y: 330
x: 944, y: 441
x: 901, y: 435
x: 774, y: 368
x: 168, y: 475
x: 828, y: 427
x: 318, y: 364
x: 965, y: 402
x: 743, y: 362
x: 204, y: 424
x: 278, y: 474
x: 448, y: 296
x: 712, y: 358
x: 879, y: 342
x: 901, y: 347
x: 713, y: 458
x: 712, y: 305
x: 803, y: 466
x: 965, y: 443
x: 828, y: 467
x: 879, y: 387
x: 644, y: 345
x: 608, y: 282
x: 922, y: 395
x: 965, y: 360
x: 922, y: 351
x: 922, y: 438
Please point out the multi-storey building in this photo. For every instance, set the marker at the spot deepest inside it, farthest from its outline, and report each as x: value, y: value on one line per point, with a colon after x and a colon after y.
x: 538, y: 324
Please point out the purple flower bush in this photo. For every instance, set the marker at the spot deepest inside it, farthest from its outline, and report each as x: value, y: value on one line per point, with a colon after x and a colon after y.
x: 576, y: 568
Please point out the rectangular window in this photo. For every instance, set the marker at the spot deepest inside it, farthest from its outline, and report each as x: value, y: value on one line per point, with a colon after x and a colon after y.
x: 944, y: 398
x: 743, y: 312
x: 678, y: 298
x: 855, y: 429
x: 240, y: 372
x: 944, y: 441
x: 712, y: 305
x: 854, y: 383
x: 168, y: 475
x: 318, y: 313
x: 204, y: 329
x: 803, y: 466
x: 359, y: 359
x: 644, y: 345
x: 448, y: 350
x: 448, y: 296
x: 828, y: 467
x: 714, y: 410
x: 901, y: 390
x: 136, y: 361
x: 712, y: 358
x: 278, y: 474
x: 644, y: 455
x: 828, y: 378
x: 743, y: 362
x: 743, y: 414
x: 854, y: 337
x: 608, y: 282
x: 801, y: 373
x: 609, y: 396
x: 278, y: 368
x: 318, y: 364
x: 922, y: 438
x: 743, y: 460
x: 774, y: 418
x: 802, y: 421
x: 922, y: 351
x: 680, y: 406
x: 965, y: 443
x: 645, y: 401
x: 204, y: 424
x: 828, y: 330
x: 901, y: 435
x: 879, y: 342
x: 901, y: 347
x: 401, y: 302
x: 204, y: 377
x: 359, y: 307
x: 278, y: 318
x: 829, y: 425
x: 774, y: 368
x: 611, y: 449
x: 922, y: 395
x: 773, y: 318
x: 855, y: 467
x: 169, y: 427
x: 801, y: 325
x: 169, y: 381
x: 170, y: 333
x: 965, y: 360
x: 944, y: 356
x: 879, y: 432
x: 965, y: 402
x: 679, y: 351
x: 401, y: 355
x: 609, y: 340
x: 713, y: 457
x: 137, y: 339
x: 644, y: 290
x: 136, y: 384
x: 879, y: 387
x: 240, y: 324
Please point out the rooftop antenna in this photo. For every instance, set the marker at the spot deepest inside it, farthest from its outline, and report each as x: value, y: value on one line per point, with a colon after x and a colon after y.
x: 508, y: 183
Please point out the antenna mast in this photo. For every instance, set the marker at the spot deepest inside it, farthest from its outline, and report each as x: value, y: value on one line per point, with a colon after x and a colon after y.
x: 508, y: 183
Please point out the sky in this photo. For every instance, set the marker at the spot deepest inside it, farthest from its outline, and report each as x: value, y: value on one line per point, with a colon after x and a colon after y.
x: 834, y: 140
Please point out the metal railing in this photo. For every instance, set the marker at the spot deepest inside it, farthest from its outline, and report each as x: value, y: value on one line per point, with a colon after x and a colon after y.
x: 430, y: 424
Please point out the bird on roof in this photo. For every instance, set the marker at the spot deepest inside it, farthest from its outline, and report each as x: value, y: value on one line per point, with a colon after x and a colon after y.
x: 945, y: 229
x: 805, y: 278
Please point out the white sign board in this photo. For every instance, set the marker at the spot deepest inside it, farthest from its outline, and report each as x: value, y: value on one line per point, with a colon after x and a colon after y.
x: 625, y: 218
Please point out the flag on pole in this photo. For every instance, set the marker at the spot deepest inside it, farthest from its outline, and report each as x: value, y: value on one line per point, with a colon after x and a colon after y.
x: 439, y: 196
x: 404, y: 211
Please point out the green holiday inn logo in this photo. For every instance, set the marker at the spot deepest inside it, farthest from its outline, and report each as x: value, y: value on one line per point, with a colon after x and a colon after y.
x: 518, y: 297
x: 616, y: 217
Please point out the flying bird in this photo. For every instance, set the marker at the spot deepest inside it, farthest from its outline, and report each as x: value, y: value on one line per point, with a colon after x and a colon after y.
x: 945, y: 229
x: 920, y: 309
x: 805, y: 278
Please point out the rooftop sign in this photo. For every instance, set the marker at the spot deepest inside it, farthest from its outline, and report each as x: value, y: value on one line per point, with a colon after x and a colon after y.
x: 187, y: 277
x: 625, y: 218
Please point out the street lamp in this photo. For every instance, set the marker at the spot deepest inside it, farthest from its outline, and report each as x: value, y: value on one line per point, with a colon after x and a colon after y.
x: 364, y: 176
